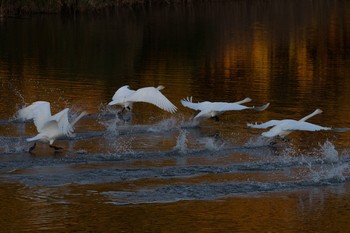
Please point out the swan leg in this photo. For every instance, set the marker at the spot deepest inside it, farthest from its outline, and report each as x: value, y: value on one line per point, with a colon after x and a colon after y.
x: 120, y: 112
x: 124, y: 109
x: 56, y: 147
x: 285, y: 139
x: 32, y: 148
x: 278, y: 139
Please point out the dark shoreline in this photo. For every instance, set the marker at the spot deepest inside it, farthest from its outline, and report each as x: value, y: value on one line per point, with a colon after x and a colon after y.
x: 19, y: 8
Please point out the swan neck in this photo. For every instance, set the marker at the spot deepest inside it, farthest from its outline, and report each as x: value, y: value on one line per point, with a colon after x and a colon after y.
x: 317, y: 111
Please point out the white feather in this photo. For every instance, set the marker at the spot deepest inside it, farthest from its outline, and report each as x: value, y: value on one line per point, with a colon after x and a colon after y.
x: 49, y: 127
x: 211, y: 109
x: 284, y: 127
x: 126, y: 97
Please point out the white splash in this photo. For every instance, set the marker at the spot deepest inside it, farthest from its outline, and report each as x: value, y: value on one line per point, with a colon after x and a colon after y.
x: 212, y: 143
x: 329, y: 153
x: 111, y: 127
x: 331, y: 169
x: 256, y: 142
x: 181, y: 142
x: 17, y: 147
x: 164, y: 125
x: 332, y: 173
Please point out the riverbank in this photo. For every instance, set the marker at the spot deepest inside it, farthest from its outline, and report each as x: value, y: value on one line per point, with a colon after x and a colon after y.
x: 19, y: 7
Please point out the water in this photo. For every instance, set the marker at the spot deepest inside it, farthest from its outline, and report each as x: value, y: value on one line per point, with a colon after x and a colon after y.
x: 153, y: 171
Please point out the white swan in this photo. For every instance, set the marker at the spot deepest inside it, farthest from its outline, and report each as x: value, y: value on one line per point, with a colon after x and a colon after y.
x: 126, y: 97
x: 49, y: 127
x: 284, y: 127
x: 214, y: 109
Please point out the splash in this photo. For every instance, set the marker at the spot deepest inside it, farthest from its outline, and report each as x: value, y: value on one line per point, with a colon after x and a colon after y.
x: 111, y: 124
x: 164, y: 125
x: 329, y: 153
x: 331, y: 168
x: 181, y: 142
x: 120, y: 146
x: 212, y: 143
x: 111, y: 127
x: 20, y: 105
x: 259, y: 141
x: 333, y: 173
x: 9, y: 147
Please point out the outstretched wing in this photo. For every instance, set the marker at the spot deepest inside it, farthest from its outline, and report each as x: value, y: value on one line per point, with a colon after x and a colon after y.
x: 38, y: 111
x: 187, y: 102
x: 224, y: 106
x: 29, y: 112
x: 305, y: 126
x: 260, y: 108
x: 153, y: 96
x: 61, y: 119
x: 340, y: 130
x: 264, y: 125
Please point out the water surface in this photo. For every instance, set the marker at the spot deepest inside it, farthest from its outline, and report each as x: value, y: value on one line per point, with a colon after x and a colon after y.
x: 153, y: 172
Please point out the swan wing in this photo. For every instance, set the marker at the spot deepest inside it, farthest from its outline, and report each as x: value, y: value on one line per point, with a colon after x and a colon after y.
x: 39, y: 136
x: 264, y: 125
x: 40, y: 113
x: 187, y: 102
x: 305, y: 126
x: 153, y: 96
x: 224, y: 106
x: 203, y: 114
x: 260, y: 108
x: 340, y: 130
x: 29, y: 112
x: 211, y: 106
x: 61, y: 119
x: 121, y: 94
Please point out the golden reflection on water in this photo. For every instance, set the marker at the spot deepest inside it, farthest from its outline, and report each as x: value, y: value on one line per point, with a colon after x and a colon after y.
x: 84, y: 208
x: 292, y: 54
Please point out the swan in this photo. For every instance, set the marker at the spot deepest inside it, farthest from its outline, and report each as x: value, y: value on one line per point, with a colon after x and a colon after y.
x: 49, y: 127
x: 214, y: 109
x: 125, y: 97
x: 282, y: 128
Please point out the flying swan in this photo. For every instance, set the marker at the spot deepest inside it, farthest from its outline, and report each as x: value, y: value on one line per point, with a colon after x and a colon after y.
x: 214, y: 109
x: 282, y: 128
x: 125, y: 97
x: 49, y: 127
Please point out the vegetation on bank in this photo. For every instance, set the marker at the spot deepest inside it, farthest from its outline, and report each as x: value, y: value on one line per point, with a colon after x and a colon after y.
x: 19, y: 7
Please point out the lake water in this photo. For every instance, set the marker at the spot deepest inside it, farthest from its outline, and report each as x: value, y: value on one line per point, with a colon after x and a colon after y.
x: 153, y: 173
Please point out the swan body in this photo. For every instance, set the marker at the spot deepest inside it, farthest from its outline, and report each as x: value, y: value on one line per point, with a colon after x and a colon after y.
x: 214, y: 109
x: 49, y: 127
x: 125, y: 97
x: 284, y: 127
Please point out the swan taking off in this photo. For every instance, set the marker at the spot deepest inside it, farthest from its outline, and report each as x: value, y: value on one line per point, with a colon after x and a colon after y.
x: 214, y: 109
x: 49, y: 127
x: 126, y: 97
x: 284, y: 127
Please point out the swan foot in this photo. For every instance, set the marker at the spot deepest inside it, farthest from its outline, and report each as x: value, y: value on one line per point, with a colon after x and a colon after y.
x: 278, y: 139
x: 124, y: 109
x: 56, y: 147
x: 32, y: 148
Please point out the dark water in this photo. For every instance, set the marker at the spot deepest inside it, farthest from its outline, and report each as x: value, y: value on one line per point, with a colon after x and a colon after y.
x: 153, y: 173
